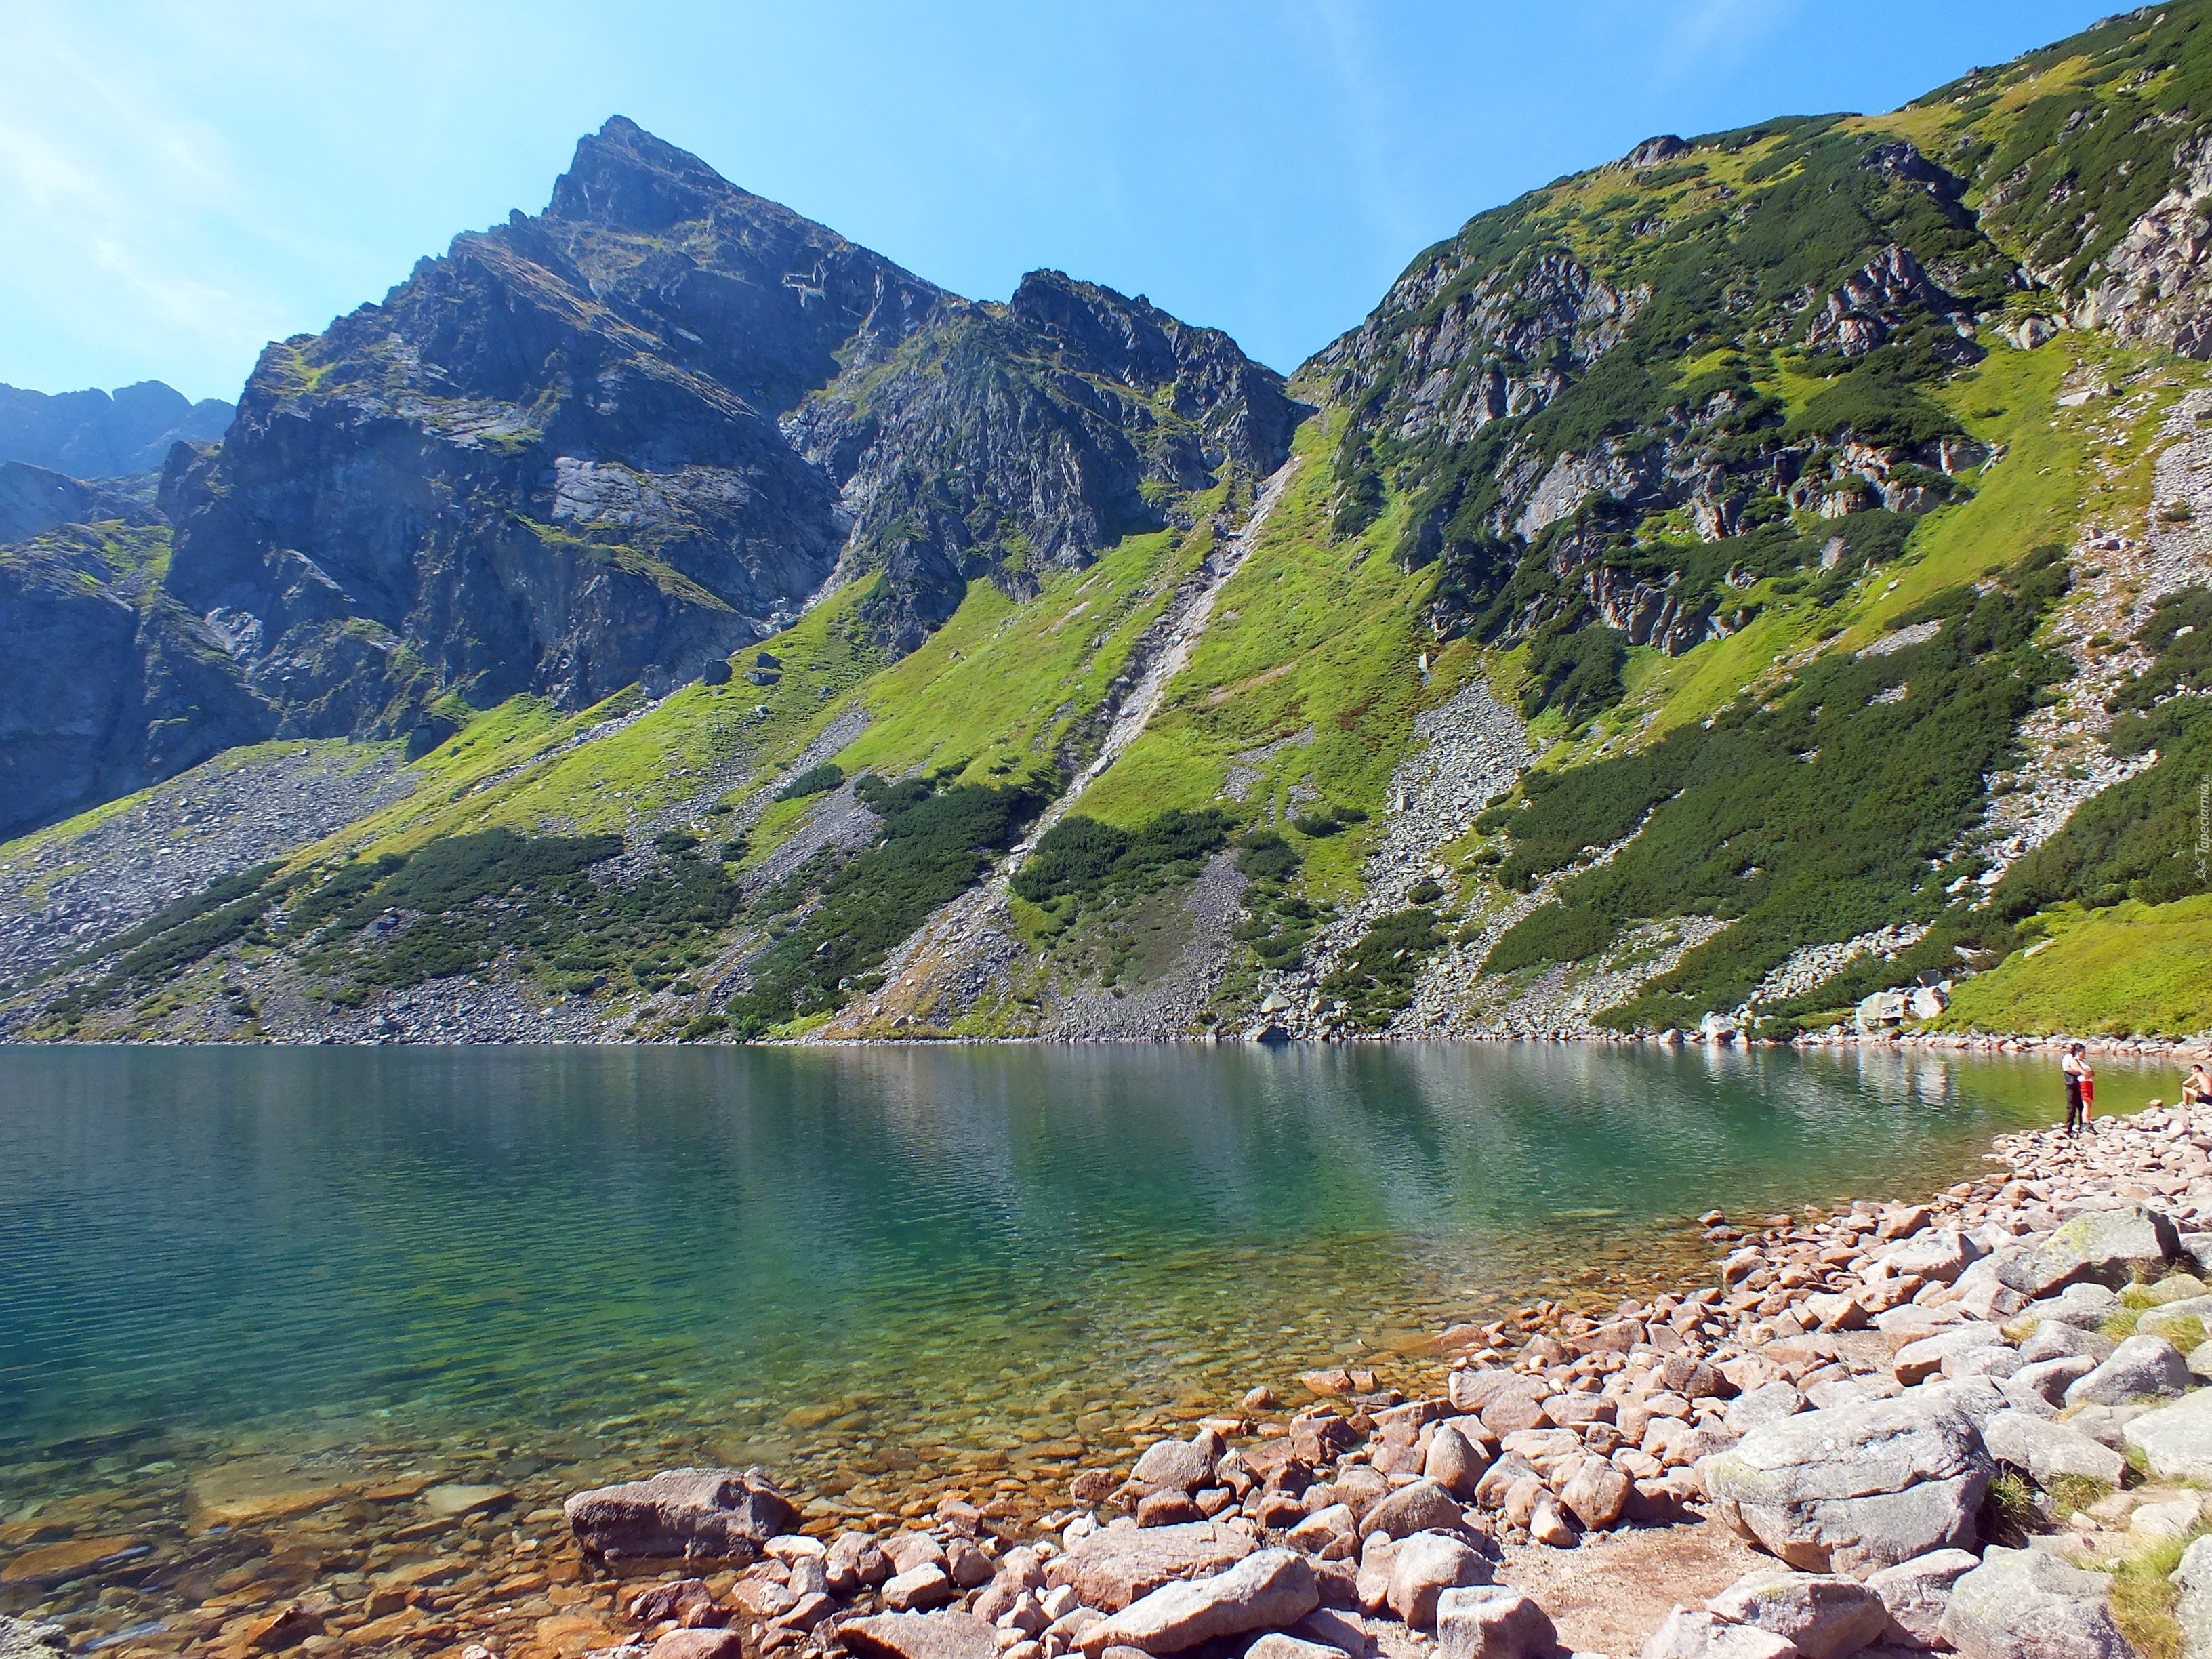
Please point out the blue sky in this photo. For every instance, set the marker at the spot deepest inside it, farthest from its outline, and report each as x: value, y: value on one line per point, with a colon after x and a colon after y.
x: 179, y: 182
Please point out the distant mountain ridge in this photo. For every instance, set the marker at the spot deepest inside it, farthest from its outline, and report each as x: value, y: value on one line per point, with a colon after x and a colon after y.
x: 103, y: 434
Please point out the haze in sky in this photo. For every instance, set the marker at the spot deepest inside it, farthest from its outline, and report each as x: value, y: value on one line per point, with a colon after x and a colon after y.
x: 181, y: 183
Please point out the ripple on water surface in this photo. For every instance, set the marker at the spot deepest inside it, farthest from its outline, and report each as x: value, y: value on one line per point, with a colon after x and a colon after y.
x: 871, y: 1268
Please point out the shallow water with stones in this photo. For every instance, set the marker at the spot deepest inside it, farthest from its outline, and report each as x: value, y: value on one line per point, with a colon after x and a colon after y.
x: 267, y: 1316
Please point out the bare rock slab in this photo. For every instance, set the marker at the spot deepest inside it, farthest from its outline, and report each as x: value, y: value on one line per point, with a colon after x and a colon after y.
x: 711, y: 1514
x: 1856, y: 1487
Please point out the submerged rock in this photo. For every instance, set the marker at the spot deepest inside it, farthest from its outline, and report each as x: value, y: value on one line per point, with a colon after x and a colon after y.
x: 697, y: 1513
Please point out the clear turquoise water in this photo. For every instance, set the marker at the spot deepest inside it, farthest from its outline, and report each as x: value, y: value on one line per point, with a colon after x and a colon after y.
x: 831, y: 1258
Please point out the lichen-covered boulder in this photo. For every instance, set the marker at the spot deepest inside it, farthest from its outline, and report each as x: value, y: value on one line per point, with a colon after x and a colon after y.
x: 1857, y: 1486
x: 723, y: 1514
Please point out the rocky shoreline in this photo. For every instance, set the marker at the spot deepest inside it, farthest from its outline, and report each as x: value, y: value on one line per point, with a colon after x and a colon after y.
x: 1938, y: 1421
x: 1970, y: 1422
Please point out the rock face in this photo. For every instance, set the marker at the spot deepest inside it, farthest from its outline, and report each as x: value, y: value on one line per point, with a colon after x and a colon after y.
x: 1493, y: 1622
x: 1857, y: 1486
x: 2024, y: 1604
x: 2193, y: 1608
x: 1915, y: 1592
x: 612, y: 442
x: 2047, y: 1450
x: 705, y: 1514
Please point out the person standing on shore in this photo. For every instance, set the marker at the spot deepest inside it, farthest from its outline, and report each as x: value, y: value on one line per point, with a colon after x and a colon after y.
x: 2074, y: 1068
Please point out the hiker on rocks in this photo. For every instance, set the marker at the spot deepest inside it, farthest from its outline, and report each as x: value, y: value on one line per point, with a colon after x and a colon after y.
x: 2075, y: 1068
x: 2196, y: 1087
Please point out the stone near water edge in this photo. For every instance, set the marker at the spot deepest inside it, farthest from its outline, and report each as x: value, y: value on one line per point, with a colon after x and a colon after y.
x: 2111, y: 1247
x: 1113, y: 1568
x: 1180, y: 1465
x: 2139, y: 1366
x: 448, y: 1501
x: 2192, y: 1611
x: 1687, y: 1634
x: 1454, y: 1462
x: 1422, y: 1567
x: 51, y: 1564
x: 710, y: 1513
x: 2176, y: 1440
x: 918, y: 1635
x: 1323, y: 1527
x: 1092, y: 1486
x: 1938, y: 1257
x: 854, y: 1560
x: 1421, y: 1507
x: 2027, y: 1604
x: 918, y: 1590
x: 1493, y: 1622
x: 2047, y: 1450
x: 965, y: 1563
x: 1265, y: 1590
x: 674, y: 1601
x: 909, y: 1550
x: 1824, y: 1615
x: 1171, y: 1507
x: 1915, y: 1593
x: 1855, y: 1487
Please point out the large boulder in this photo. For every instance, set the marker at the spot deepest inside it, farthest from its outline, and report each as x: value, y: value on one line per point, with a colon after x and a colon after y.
x: 1454, y: 1462
x: 2111, y: 1247
x: 1825, y: 1616
x: 723, y: 1514
x: 1422, y: 1567
x: 2176, y: 1439
x: 2141, y: 1366
x: 2047, y: 1450
x: 1857, y: 1486
x: 1175, y: 1465
x: 1493, y: 1622
x: 1941, y: 1257
x: 1915, y: 1592
x: 2026, y: 1604
x: 920, y: 1635
x: 1424, y: 1506
x: 1265, y: 1590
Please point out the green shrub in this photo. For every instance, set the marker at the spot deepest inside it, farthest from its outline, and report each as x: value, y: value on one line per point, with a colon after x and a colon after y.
x: 815, y: 780
x: 1315, y: 825
x: 674, y: 843
x: 1264, y: 856
x: 1375, y: 980
x: 1085, y: 858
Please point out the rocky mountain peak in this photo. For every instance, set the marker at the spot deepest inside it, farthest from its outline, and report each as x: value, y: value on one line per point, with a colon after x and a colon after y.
x: 622, y: 178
